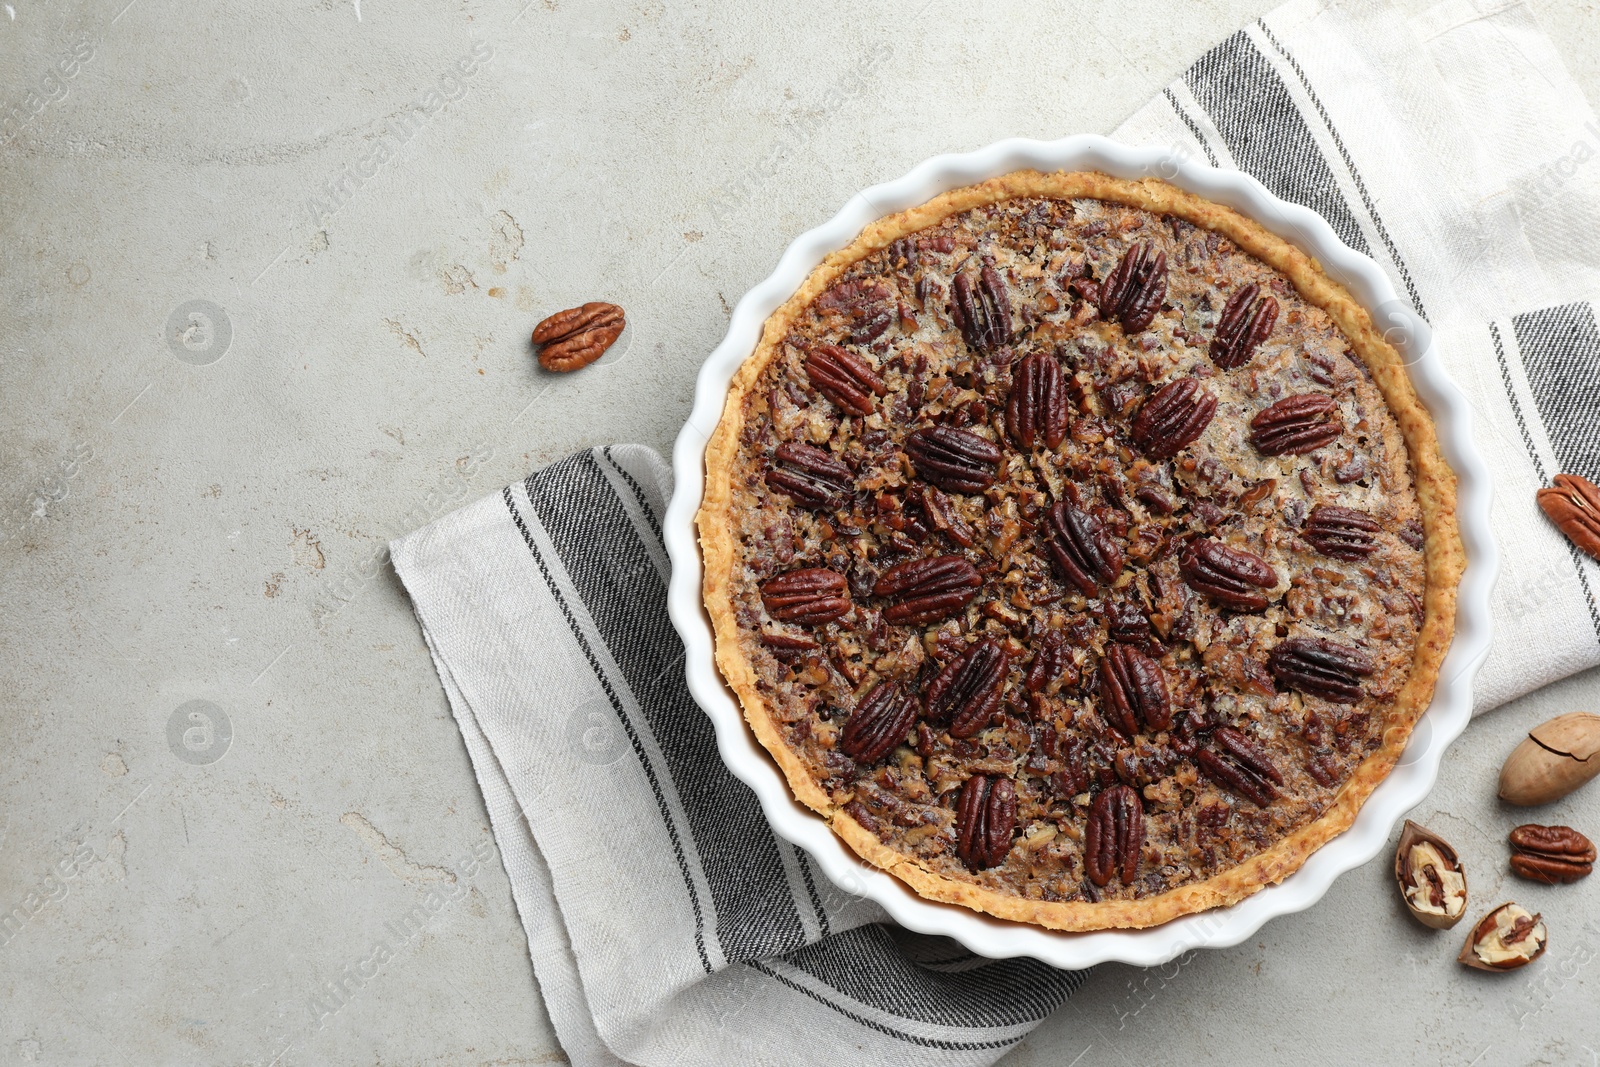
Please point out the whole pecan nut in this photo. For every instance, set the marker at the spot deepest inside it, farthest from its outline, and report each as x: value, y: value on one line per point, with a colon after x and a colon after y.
x: 1341, y: 533
x: 986, y: 813
x: 844, y: 378
x: 1133, y: 691
x: 983, y: 315
x: 926, y: 590
x: 1236, y: 763
x: 1320, y: 668
x: 1173, y: 418
x: 1296, y: 425
x: 811, y: 476
x: 966, y: 693
x: 954, y: 459
x: 1245, y: 323
x: 811, y: 596
x: 1573, y: 504
x: 1036, y: 410
x: 1114, y: 837
x: 1551, y: 854
x: 1133, y: 291
x: 1084, y: 551
x: 879, y: 723
x: 1230, y: 576
x: 578, y: 336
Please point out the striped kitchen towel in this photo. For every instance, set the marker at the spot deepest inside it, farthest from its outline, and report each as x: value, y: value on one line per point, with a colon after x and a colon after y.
x: 666, y: 923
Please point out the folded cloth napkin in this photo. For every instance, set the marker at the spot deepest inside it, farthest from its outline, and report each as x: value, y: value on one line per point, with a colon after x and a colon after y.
x: 666, y: 923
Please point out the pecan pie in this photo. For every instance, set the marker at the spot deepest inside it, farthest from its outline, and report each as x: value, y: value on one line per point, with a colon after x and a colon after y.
x: 1079, y: 550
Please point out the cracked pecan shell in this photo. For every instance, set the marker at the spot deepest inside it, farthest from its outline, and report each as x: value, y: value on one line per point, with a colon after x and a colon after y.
x: 1341, y: 533
x: 810, y: 596
x: 1230, y: 576
x: 1084, y: 551
x: 1173, y: 418
x: 880, y: 722
x: 966, y: 693
x: 844, y: 378
x: 1133, y: 291
x: 1236, y: 763
x: 1133, y: 691
x: 1551, y: 854
x: 982, y: 313
x: 1246, y: 321
x: 1573, y: 504
x: 953, y: 459
x: 814, y: 478
x: 926, y: 590
x: 986, y: 813
x: 1114, y: 836
x: 1296, y: 425
x: 1321, y: 668
x: 1036, y: 410
x: 578, y: 336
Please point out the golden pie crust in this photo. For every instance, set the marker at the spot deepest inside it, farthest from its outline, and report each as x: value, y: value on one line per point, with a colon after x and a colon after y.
x: 1432, y: 481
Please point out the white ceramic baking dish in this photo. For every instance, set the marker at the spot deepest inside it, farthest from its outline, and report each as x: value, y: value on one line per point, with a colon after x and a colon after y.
x: 1406, y: 785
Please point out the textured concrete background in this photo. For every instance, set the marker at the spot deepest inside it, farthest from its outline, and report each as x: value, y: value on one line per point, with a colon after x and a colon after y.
x: 226, y: 379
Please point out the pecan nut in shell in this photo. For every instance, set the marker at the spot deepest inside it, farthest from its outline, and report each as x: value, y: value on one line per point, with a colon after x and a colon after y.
x: 1551, y: 854
x: 1230, y: 576
x: 810, y: 596
x: 954, y: 459
x: 929, y: 589
x: 578, y: 336
x: 1173, y: 419
x: 1296, y: 425
x: 1114, y: 836
x: 986, y: 814
x: 880, y: 722
x: 1573, y: 504
x: 966, y: 693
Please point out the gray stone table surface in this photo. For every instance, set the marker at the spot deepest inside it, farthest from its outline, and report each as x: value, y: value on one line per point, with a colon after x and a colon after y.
x: 255, y: 324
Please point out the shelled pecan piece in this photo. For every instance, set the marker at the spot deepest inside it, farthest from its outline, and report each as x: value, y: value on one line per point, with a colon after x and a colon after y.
x: 880, y: 722
x: 1341, y: 533
x: 1084, y: 551
x: 810, y: 596
x: 844, y: 378
x: 1245, y: 323
x: 941, y: 511
x: 954, y: 459
x: 966, y: 693
x: 925, y: 590
x: 1573, y: 504
x: 1050, y: 659
x: 1114, y: 837
x: 1237, y: 764
x: 983, y: 315
x: 1551, y: 854
x: 1230, y: 576
x: 1296, y: 425
x: 1036, y: 410
x: 986, y: 813
x: 1321, y: 668
x: 1173, y: 418
x: 1133, y: 691
x: 578, y: 336
x: 811, y: 476
x: 1133, y: 291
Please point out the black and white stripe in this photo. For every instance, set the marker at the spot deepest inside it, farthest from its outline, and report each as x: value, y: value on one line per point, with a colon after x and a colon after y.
x: 589, y: 528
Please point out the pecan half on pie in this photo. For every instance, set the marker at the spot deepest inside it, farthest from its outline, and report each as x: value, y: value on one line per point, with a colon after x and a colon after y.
x: 1078, y: 550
